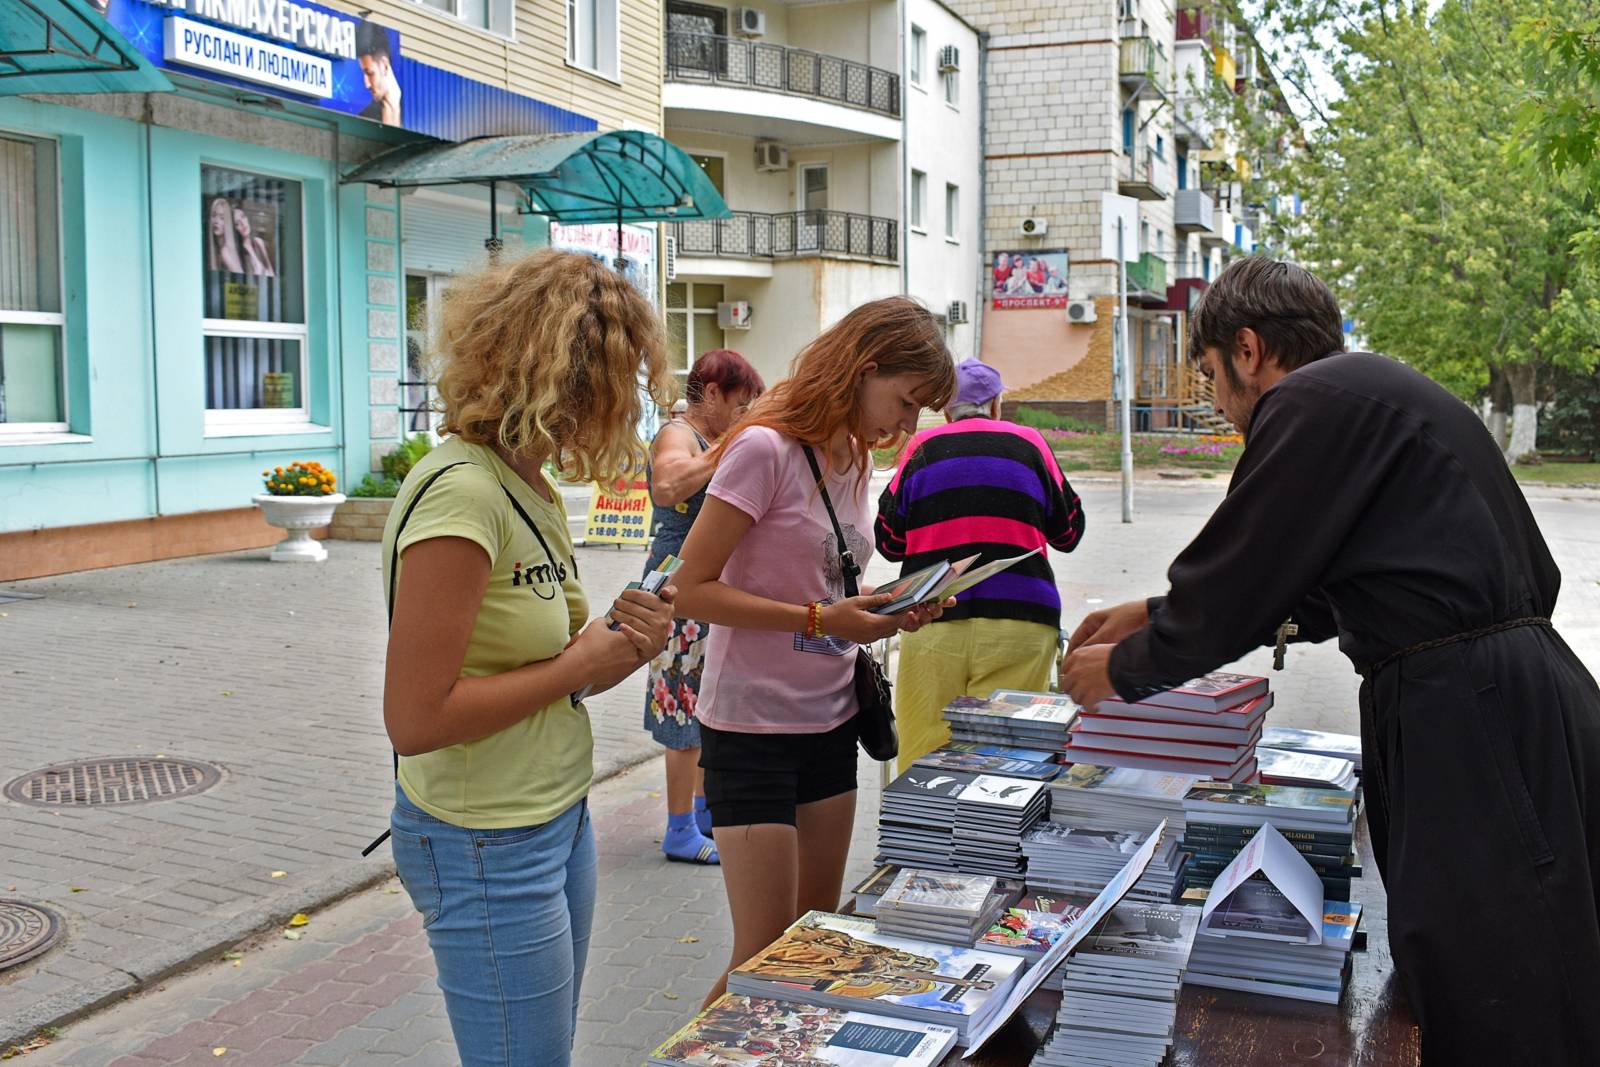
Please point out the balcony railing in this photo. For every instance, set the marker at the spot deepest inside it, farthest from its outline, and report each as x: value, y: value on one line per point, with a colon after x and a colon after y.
x: 1148, y: 272
x: 1143, y: 175
x: 1192, y: 211
x: 789, y: 235
x: 776, y: 68
x: 1141, y: 62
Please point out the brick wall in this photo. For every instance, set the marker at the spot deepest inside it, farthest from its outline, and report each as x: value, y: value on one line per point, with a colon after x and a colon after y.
x: 1089, y: 379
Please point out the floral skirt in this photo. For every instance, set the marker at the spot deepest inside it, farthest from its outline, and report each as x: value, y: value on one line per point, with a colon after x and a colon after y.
x: 674, y: 690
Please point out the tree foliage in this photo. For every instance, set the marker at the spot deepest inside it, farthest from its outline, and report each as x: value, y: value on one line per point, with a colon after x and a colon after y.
x: 1449, y: 245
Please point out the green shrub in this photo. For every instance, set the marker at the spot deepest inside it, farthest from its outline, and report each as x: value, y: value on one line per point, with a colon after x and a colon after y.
x: 1041, y: 419
x: 381, y: 486
x: 399, y: 461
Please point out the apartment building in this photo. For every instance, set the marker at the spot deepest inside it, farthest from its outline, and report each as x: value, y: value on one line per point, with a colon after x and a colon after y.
x: 843, y: 137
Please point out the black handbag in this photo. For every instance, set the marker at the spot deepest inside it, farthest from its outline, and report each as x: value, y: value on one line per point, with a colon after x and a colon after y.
x: 874, y: 707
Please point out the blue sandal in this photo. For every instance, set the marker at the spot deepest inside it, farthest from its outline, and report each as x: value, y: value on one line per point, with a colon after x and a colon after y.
x: 688, y: 845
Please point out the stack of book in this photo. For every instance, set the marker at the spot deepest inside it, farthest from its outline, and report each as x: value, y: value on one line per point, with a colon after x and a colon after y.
x: 1279, y: 968
x: 918, y: 817
x: 1314, y: 743
x: 1012, y: 717
x: 872, y: 888
x: 1119, y: 798
x: 1078, y: 861
x: 1319, y: 823
x: 1119, y: 999
x: 843, y: 962
x: 992, y: 815
x: 1208, y: 727
x: 952, y: 909
x: 762, y: 1032
x: 992, y: 759
x: 1282, y: 767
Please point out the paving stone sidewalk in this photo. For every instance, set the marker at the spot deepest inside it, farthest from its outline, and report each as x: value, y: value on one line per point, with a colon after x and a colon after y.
x: 307, y: 784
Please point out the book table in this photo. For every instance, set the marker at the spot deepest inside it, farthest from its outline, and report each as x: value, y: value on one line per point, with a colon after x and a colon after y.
x: 1372, y: 1026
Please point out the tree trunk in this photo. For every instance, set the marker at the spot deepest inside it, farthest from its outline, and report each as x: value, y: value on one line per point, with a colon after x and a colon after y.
x: 1523, y: 380
x: 1499, y: 406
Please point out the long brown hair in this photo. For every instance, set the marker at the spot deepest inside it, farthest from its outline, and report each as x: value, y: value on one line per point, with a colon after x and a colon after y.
x: 821, y: 393
x: 542, y: 355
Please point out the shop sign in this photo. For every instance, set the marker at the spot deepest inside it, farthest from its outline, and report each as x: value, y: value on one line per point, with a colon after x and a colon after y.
x: 212, y: 48
x: 599, y: 240
x: 620, y: 513
x: 1030, y: 279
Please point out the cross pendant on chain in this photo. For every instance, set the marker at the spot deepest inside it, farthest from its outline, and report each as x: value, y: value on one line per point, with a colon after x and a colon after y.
x: 1286, y: 631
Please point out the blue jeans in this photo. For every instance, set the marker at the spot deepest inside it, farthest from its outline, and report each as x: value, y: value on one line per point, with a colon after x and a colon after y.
x: 508, y: 915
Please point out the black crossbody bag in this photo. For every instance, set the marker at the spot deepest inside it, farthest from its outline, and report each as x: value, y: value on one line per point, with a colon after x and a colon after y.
x: 875, y: 708
x: 394, y: 569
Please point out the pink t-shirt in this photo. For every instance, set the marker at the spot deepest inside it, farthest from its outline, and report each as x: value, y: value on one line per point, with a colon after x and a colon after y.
x: 763, y: 681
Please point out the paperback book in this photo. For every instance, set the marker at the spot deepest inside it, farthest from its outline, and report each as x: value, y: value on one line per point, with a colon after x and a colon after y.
x: 742, y: 1031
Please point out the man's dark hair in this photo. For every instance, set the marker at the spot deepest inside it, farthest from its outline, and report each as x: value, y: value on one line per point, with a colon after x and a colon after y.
x: 1291, y: 308
x: 372, y: 40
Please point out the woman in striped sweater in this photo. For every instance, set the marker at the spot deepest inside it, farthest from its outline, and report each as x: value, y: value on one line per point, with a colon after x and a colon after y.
x: 979, y: 485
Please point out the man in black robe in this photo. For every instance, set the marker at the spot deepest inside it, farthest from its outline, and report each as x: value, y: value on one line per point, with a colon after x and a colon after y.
x: 1371, y: 505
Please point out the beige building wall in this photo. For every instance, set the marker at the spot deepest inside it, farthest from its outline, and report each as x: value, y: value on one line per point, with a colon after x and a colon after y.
x: 533, y: 60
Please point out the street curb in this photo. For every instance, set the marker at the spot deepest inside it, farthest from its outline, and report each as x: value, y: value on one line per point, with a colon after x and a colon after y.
x: 85, y: 998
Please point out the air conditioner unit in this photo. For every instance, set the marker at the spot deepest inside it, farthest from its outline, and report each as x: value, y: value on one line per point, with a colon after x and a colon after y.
x: 734, y: 315
x: 956, y: 313
x: 771, y: 156
x: 669, y: 256
x: 1080, y: 311
x: 750, y: 22
x: 949, y: 58
x: 1035, y: 227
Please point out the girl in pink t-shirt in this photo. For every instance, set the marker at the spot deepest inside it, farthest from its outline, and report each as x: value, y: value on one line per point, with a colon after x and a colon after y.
x: 778, y: 740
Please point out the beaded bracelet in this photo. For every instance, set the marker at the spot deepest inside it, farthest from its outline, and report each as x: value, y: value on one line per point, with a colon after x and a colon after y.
x: 814, y: 619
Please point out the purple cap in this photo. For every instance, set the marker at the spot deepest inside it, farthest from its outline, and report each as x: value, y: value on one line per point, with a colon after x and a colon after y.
x: 976, y: 382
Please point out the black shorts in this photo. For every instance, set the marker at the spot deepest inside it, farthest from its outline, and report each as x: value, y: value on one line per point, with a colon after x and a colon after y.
x: 761, y: 778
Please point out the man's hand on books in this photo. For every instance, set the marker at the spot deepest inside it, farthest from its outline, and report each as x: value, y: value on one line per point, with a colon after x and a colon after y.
x: 1086, y: 675
x: 1109, y: 625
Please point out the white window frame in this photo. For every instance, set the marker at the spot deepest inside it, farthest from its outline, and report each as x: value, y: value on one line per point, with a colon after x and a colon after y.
x: 952, y: 89
x: 58, y: 319
x: 250, y: 422
x: 500, y: 12
x: 917, y: 64
x: 917, y: 208
x: 689, y: 311
x: 952, y: 212
x: 607, y: 27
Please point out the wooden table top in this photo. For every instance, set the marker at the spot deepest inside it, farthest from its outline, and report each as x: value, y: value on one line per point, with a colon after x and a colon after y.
x: 1372, y: 1026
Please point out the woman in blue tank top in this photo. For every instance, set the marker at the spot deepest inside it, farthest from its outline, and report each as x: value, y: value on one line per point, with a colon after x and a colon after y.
x: 720, y: 385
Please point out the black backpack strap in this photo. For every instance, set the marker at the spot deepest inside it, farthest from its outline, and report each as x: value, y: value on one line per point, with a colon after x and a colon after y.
x: 394, y: 568
x: 847, y: 559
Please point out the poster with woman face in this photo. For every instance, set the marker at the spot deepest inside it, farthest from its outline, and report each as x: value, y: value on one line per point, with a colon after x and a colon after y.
x: 1031, y: 279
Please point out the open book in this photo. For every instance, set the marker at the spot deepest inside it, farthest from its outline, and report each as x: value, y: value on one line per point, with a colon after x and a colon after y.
x: 941, y: 581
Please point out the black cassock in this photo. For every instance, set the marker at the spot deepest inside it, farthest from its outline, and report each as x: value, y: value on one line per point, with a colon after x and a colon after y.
x: 1371, y: 505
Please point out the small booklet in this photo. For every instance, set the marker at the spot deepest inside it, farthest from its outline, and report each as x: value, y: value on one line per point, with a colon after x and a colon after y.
x: 651, y: 583
x: 932, y: 584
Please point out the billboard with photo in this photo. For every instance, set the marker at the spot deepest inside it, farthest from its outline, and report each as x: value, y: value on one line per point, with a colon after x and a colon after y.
x: 1029, y: 279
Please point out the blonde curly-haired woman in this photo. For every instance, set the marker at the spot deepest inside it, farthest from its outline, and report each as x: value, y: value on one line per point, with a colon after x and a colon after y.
x: 538, y: 361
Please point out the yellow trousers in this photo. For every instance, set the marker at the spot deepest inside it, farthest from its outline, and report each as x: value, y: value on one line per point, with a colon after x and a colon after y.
x: 971, y: 657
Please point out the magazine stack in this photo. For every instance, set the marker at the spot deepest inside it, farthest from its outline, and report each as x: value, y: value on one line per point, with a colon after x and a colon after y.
x: 1119, y: 999
x: 1012, y: 717
x: 918, y: 817
x: 761, y: 1032
x: 992, y: 815
x: 1281, y: 767
x: 872, y: 888
x: 993, y: 759
x: 843, y: 962
x: 1319, y: 823
x: 1314, y: 743
x: 942, y: 906
x: 1119, y: 798
x: 1207, y: 727
x: 1077, y: 861
x: 1277, y: 968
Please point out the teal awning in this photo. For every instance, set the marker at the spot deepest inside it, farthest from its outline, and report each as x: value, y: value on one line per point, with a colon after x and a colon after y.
x: 66, y: 46
x: 620, y: 176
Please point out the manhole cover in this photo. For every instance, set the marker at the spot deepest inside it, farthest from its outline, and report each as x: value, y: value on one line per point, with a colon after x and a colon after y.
x: 124, y: 780
x: 25, y: 931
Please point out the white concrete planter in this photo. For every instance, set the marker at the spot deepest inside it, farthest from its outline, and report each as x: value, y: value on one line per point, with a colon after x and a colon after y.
x: 299, y: 515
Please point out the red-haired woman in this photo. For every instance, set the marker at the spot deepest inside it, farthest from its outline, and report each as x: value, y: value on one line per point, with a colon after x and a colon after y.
x: 762, y: 565
x: 721, y: 385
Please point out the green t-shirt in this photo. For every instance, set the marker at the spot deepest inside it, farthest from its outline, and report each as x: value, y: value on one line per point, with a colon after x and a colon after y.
x: 535, y: 769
